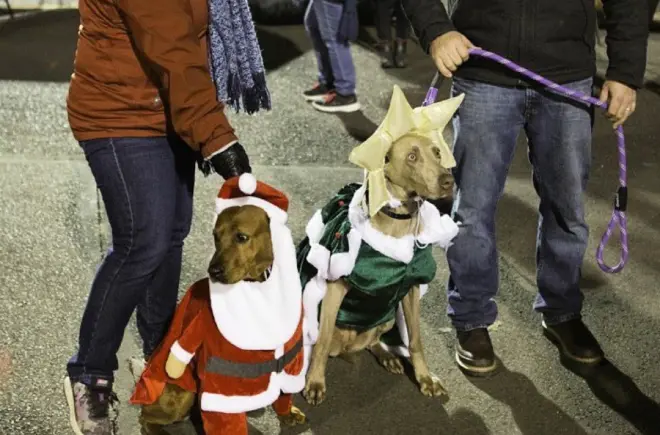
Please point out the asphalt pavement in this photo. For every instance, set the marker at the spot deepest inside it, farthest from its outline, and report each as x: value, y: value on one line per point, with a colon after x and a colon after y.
x: 53, y: 232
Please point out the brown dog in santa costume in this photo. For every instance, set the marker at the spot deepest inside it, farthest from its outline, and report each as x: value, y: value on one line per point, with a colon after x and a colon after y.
x: 236, y: 336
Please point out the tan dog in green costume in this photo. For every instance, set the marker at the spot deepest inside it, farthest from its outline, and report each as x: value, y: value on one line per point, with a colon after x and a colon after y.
x: 367, y: 260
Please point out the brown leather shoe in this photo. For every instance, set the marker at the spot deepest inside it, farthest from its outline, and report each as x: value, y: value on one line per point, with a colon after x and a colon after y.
x: 474, y: 352
x: 575, y: 341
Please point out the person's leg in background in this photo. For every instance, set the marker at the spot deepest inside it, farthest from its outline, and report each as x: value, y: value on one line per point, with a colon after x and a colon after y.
x: 155, y: 310
x: 384, y: 32
x: 402, y: 35
x: 328, y: 15
x: 139, y: 183
x: 559, y: 134
x: 486, y: 127
x: 325, y: 81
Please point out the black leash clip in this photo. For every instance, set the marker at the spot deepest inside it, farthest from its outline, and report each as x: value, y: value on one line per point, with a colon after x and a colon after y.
x: 621, y: 199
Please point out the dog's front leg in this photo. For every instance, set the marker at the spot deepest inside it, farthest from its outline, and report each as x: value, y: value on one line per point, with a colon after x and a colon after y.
x: 315, y: 387
x: 287, y: 413
x: 428, y: 384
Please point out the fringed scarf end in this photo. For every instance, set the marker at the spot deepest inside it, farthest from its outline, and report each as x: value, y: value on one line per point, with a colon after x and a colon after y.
x: 257, y: 97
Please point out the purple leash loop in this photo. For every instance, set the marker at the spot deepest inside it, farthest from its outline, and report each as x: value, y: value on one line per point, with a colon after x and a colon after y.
x: 621, y: 199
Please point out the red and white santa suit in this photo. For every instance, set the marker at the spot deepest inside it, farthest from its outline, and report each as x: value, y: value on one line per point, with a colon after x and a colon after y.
x: 242, y: 342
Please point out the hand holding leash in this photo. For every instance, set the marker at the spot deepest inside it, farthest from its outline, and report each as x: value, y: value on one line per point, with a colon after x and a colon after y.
x: 449, y: 51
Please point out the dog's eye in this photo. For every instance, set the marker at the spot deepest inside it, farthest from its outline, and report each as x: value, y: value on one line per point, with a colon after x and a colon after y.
x: 412, y: 157
x: 242, y: 238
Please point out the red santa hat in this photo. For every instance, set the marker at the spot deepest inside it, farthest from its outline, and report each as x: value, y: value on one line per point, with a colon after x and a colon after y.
x: 246, y: 190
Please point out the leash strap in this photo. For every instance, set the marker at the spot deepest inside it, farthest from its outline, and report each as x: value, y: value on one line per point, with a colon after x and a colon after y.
x: 618, y: 218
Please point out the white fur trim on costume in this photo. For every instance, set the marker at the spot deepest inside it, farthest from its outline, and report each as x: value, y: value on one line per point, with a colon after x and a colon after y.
x: 279, y: 383
x: 274, y: 212
x: 262, y: 315
x: 436, y: 229
x: 319, y: 257
x: 342, y: 264
x: 247, y: 183
x: 402, y: 350
x: 315, y: 227
x: 312, y: 296
x: 180, y: 353
x: 293, y: 384
x: 330, y: 266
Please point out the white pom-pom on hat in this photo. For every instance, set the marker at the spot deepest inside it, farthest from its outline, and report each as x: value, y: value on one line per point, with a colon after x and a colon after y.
x: 247, y: 183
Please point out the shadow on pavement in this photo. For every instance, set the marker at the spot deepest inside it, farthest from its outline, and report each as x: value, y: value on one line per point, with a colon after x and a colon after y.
x: 362, y: 394
x: 618, y: 391
x: 42, y: 46
x: 533, y: 412
x: 276, y: 49
x: 357, y: 125
x: 39, y: 47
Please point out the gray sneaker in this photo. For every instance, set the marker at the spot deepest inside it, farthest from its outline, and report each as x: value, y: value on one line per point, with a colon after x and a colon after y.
x: 91, y: 411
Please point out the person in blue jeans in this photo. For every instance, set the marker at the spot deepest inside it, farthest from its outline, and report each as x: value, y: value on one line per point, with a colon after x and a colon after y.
x: 146, y: 102
x: 334, y: 91
x: 556, y: 40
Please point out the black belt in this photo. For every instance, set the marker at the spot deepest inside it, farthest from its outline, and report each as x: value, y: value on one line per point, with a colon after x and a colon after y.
x: 224, y: 367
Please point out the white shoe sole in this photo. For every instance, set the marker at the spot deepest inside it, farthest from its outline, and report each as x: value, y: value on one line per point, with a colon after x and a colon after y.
x: 348, y: 108
x: 68, y: 392
x: 475, y: 371
x: 314, y: 98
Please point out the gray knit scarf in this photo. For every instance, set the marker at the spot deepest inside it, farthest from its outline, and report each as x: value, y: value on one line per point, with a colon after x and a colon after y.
x: 237, y: 67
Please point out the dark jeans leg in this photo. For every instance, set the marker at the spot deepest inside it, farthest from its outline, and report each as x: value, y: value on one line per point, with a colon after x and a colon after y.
x: 384, y: 19
x: 140, y: 185
x: 156, y: 309
x: 402, y: 23
x: 485, y: 130
x: 320, y: 49
x: 559, y: 133
x: 328, y: 16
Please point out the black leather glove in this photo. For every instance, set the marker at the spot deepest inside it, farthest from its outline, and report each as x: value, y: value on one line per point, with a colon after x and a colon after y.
x: 232, y: 162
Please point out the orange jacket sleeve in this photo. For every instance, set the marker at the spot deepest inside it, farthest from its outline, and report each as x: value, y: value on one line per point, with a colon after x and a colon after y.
x: 163, y: 33
x: 190, y: 340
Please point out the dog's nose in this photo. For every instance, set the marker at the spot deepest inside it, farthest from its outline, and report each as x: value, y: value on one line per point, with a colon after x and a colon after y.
x: 216, y: 272
x: 447, y: 181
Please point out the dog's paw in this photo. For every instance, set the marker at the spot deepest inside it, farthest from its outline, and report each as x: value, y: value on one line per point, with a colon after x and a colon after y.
x: 431, y: 386
x: 314, y: 392
x: 294, y: 418
x: 392, y: 364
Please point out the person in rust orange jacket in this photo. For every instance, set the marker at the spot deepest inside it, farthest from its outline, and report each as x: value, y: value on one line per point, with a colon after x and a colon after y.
x: 146, y: 102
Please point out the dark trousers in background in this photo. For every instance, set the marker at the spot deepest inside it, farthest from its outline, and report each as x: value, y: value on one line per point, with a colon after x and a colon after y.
x: 384, y: 11
x: 147, y: 188
x: 333, y: 58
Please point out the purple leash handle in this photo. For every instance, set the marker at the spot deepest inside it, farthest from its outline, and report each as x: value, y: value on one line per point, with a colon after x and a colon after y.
x: 621, y: 199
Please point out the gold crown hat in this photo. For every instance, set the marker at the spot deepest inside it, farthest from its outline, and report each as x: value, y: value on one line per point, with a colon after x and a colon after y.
x: 401, y: 119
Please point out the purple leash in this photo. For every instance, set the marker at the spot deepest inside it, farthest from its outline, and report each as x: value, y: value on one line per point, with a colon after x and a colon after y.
x: 621, y: 199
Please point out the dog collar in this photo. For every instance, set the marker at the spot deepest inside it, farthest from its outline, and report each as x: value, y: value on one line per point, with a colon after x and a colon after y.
x: 388, y: 211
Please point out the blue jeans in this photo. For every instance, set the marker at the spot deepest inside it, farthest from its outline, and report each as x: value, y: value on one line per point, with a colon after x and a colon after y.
x: 559, y: 138
x: 333, y: 58
x: 147, y: 188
